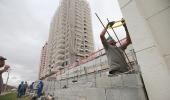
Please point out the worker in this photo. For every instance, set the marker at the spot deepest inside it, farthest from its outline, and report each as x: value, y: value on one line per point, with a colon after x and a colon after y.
x: 40, y: 88
x: 20, y: 90
x: 25, y: 87
x: 31, y: 87
x: 6, y: 67
x: 115, y: 55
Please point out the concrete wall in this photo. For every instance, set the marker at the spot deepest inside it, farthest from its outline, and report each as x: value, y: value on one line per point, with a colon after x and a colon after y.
x: 122, y: 87
x: 157, y: 14
x: 148, y: 23
x: 93, y: 82
x: 100, y: 94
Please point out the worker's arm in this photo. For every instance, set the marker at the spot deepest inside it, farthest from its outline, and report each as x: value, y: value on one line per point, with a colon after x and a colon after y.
x: 1, y: 71
x: 128, y: 40
x: 102, y: 35
x: 103, y: 39
x: 5, y: 69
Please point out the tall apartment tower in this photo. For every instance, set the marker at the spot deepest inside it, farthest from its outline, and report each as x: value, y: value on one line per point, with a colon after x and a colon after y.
x: 70, y: 37
x: 43, y: 61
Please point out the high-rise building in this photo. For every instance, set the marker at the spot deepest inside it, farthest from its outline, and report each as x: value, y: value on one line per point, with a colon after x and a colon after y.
x: 70, y: 37
x: 43, y: 61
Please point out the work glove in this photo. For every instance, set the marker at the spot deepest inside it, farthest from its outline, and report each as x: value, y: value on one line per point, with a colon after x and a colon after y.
x: 110, y: 24
x: 123, y: 22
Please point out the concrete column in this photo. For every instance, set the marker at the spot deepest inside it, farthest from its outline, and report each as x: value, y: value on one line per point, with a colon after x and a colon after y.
x: 150, y: 47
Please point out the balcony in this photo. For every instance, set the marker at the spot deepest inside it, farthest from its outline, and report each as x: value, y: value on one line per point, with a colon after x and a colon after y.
x: 79, y: 30
x: 59, y: 36
x: 78, y: 44
x: 60, y: 56
x: 81, y: 49
x: 54, y: 70
x: 81, y: 55
x: 59, y: 62
x: 61, y: 40
x: 60, y: 46
x: 78, y: 37
x: 86, y: 49
x: 60, y: 67
x: 60, y: 51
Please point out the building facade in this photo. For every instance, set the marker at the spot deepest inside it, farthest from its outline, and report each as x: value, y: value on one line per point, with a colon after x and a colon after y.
x: 43, y: 61
x: 70, y: 38
x: 148, y: 24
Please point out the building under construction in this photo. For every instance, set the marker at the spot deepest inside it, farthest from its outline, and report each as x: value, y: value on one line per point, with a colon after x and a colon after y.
x: 86, y: 79
x: 70, y: 37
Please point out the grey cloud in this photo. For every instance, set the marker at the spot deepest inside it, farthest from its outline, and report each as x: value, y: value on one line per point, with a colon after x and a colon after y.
x: 105, y: 9
x: 24, y: 28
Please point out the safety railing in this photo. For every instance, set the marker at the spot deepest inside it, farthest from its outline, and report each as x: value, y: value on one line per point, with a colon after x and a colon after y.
x: 83, y: 74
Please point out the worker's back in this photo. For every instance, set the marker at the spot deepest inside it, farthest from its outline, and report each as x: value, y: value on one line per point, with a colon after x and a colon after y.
x: 116, y: 59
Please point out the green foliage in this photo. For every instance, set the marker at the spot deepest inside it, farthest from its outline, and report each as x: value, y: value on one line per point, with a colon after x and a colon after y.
x: 12, y: 96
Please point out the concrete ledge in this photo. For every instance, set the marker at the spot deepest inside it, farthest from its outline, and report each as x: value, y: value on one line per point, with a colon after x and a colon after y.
x: 125, y: 80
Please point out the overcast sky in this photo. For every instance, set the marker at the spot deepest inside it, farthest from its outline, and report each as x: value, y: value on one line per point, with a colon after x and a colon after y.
x: 24, y: 28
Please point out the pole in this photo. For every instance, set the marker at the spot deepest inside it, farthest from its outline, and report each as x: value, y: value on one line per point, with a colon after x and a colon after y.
x: 6, y: 81
x: 102, y: 24
x: 121, y: 45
